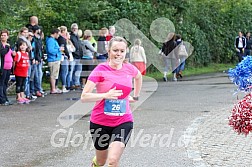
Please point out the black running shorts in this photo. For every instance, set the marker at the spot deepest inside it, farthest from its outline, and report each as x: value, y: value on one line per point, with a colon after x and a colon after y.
x: 103, y: 135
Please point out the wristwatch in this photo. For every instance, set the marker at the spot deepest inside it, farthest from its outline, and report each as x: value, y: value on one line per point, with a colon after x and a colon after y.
x: 135, y: 98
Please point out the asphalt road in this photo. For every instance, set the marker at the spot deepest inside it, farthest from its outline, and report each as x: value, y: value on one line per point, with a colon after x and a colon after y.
x: 32, y: 135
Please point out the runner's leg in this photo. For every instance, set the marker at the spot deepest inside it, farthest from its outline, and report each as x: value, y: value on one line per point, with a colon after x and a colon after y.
x: 116, y: 149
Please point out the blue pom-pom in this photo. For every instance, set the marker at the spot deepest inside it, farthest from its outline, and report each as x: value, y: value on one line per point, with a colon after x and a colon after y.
x: 241, y: 75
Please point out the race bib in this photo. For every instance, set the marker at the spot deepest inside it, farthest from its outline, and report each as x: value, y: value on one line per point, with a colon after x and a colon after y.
x: 115, y: 107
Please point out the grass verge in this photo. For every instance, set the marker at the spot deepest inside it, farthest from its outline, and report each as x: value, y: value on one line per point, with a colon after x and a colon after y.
x: 212, y: 68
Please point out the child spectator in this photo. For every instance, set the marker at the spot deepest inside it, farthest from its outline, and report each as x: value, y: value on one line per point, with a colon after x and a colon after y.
x: 21, y: 65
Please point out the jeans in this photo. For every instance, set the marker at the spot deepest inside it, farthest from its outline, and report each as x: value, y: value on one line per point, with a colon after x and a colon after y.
x: 181, y: 67
x: 70, y: 74
x: 4, y: 79
x: 170, y: 63
x: 34, y: 82
x: 64, y: 71
x: 77, y: 72
x: 27, y: 83
x: 40, y: 75
x: 240, y: 54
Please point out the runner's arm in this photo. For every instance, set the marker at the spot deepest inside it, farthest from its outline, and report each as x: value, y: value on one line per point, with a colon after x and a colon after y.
x: 137, y: 84
x: 88, y: 95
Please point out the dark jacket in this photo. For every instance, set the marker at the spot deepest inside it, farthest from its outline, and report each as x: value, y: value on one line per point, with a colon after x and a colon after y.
x: 168, y: 47
x: 62, y: 41
x: 31, y: 27
x: 243, y: 42
x: 101, y: 45
x: 76, y: 42
x: 3, y: 52
x: 249, y: 43
x: 38, y: 49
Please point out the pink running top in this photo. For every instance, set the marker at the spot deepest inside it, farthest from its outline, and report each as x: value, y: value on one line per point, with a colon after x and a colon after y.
x: 105, y: 79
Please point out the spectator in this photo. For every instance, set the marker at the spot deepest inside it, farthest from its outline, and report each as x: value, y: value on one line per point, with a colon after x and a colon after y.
x: 169, y: 56
x: 77, y: 56
x: 5, y: 67
x: 39, y: 57
x: 65, y: 57
x: 182, y: 58
x: 249, y: 44
x: 28, y: 80
x: 111, y: 33
x: 36, y: 65
x: 71, y: 49
x: 240, y: 45
x: 88, y: 55
x: 53, y: 57
x: 34, y: 22
x: 138, y: 57
x: 23, y: 36
x: 21, y: 66
x: 102, y: 45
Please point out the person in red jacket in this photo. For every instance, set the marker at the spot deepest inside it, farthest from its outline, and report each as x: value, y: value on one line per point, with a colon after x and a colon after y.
x: 21, y: 65
x: 112, y: 31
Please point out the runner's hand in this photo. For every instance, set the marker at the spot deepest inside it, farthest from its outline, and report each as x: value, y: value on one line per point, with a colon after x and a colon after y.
x: 113, y: 94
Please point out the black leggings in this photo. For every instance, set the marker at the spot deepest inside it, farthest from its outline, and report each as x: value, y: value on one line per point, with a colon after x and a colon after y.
x: 20, y: 84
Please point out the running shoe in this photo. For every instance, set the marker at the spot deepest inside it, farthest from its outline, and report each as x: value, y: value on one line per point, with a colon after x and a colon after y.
x: 94, y: 163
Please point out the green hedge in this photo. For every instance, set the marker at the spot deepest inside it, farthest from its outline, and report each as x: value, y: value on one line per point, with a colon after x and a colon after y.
x: 209, y: 25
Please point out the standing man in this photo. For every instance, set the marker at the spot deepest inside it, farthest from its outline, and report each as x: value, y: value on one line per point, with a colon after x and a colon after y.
x: 34, y: 22
x: 36, y: 86
x: 5, y: 67
x: 249, y: 44
x: 77, y: 56
x: 240, y: 45
x: 53, y: 57
x: 39, y: 36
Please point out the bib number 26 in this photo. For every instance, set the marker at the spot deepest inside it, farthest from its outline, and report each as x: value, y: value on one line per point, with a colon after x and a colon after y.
x: 115, y: 107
